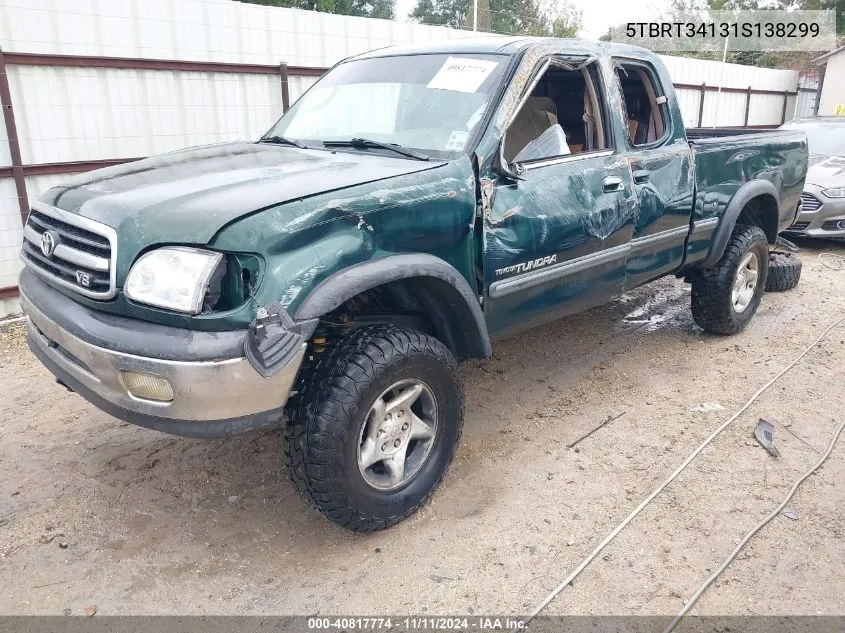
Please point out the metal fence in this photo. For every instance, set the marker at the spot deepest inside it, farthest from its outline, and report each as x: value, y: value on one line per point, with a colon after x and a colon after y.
x: 106, y: 83
x: 266, y: 88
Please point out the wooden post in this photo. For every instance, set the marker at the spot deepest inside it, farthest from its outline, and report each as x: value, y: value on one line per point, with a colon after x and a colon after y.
x: 283, y: 73
x: 819, y: 86
x: 701, y: 104
x: 14, y: 145
x: 783, y: 112
x: 747, y: 105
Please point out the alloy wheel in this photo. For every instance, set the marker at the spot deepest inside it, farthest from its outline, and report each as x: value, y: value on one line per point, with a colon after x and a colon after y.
x: 397, y: 435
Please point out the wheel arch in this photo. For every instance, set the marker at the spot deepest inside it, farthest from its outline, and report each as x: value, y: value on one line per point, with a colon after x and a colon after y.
x: 445, y: 295
x: 757, y: 202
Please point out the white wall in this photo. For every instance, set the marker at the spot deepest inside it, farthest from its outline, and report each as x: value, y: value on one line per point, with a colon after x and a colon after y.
x: 76, y: 114
x: 11, y: 233
x: 728, y: 108
x: 833, y: 88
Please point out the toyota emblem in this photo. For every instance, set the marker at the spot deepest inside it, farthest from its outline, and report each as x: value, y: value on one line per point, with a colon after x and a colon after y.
x: 48, y: 243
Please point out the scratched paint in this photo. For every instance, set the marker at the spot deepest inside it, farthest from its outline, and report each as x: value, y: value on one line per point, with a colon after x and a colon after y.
x: 562, y: 209
x: 304, y: 241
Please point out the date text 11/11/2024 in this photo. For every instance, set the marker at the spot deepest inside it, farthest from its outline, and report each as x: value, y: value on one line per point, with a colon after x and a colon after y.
x: 408, y: 623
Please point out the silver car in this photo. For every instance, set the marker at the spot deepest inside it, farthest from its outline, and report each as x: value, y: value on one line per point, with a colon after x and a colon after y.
x: 823, y: 201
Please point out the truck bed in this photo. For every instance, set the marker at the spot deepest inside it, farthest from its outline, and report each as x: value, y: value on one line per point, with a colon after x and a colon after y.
x: 724, y: 163
x: 696, y: 133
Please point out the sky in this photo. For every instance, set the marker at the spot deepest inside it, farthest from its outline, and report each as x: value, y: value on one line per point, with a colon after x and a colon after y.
x: 598, y: 14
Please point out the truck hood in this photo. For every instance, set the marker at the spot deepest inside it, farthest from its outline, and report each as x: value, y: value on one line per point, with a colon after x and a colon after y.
x: 189, y: 195
x: 826, y: 170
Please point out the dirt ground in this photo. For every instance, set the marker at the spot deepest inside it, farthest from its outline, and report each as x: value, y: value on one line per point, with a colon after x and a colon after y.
x: 94, y: 512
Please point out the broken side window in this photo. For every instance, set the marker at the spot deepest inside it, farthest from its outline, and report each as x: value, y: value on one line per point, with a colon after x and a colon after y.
x: 563, y: 114
x: 645, y: 105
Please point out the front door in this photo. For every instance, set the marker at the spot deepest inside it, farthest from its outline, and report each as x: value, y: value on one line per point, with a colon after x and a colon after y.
x: 557, y: 242
x: 556, y: 239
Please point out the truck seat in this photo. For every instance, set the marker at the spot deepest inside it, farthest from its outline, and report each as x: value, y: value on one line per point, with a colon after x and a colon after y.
x: 536, y: 116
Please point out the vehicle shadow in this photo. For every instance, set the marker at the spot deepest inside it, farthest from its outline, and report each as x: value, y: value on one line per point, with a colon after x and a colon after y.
x: 237, y: 488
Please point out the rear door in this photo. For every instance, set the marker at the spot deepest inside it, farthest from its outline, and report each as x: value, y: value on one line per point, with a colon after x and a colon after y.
x: 662, y: 171
x: 556, y: 240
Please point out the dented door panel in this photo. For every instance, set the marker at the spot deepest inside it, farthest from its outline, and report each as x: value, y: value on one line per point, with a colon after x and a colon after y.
x: 664, y: 179
x: 556, y: 242
x: 665, y: 194
x: 664, y: 185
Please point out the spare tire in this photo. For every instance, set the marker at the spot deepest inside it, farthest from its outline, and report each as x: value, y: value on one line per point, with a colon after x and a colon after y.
x: 784, y: 272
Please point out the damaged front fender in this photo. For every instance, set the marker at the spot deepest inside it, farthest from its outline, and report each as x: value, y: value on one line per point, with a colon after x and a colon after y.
x: 316, y: 250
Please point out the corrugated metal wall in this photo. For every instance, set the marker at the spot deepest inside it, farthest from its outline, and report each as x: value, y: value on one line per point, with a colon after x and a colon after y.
x: 808, y: 85
x: 728, y: 108
x: 833, y: 89
x: 77, y: 114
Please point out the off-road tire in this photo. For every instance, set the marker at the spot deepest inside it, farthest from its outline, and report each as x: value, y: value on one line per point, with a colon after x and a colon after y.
x: 712, y: 307
x: 784, y: 272
x: 335, y: 390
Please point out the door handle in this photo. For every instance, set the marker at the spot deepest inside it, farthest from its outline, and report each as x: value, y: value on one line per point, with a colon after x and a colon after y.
x: 641, y: 176
x: 611, y: 184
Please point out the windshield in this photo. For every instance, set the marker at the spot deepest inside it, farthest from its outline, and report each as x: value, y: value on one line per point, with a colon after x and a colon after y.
x: 822, y: 137
x: 430, y: 103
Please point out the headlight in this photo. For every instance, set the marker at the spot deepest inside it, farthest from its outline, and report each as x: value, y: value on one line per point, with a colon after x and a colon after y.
x: 174, y: 277
x: 835, y: 192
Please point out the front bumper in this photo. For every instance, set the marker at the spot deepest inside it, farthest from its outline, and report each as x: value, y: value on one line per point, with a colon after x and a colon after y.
x: 211, y: 397
x: 827, y: 220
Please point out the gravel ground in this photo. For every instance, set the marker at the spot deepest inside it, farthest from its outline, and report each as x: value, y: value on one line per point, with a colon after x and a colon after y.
x: 97, y: 513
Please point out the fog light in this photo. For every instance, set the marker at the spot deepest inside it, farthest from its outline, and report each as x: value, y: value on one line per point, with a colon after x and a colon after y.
x: 841, y: 224
x: 147, y: 386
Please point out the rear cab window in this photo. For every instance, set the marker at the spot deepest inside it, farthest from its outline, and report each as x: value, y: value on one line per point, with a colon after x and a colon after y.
x: 646, y: 112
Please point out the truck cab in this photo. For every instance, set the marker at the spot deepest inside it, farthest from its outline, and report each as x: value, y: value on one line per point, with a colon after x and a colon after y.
x: 412, y: 205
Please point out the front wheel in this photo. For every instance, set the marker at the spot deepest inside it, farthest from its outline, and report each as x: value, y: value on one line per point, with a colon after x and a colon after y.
x: 726, y: 295
x: 374, y: 426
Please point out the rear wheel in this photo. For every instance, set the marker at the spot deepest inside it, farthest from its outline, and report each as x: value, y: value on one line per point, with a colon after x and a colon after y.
x: 726, y: 295
x: 374, y: 426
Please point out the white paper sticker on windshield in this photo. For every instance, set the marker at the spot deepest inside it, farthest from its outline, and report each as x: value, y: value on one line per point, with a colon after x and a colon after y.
x: 456, y: 141
x: 462, y: 74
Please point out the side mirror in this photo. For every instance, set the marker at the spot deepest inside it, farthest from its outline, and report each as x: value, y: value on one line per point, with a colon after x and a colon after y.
x: 510, y: 171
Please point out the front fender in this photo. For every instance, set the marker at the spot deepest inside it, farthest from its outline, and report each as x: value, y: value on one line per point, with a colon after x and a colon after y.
x: 451, y: 296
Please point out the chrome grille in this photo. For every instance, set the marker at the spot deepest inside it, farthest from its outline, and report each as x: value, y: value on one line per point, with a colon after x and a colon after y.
x: 80, y: 253
x: 809, y: 202
x: 798, y: 226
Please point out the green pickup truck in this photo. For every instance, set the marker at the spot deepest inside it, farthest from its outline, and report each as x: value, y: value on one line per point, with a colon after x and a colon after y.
x: 410, y: 206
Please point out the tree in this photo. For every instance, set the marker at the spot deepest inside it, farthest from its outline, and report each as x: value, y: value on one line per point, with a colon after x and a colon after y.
x: 361, y: 8
x: 452, y: 13
x: 513, y: 17
x: 821, y: 5
x: 568, y: 21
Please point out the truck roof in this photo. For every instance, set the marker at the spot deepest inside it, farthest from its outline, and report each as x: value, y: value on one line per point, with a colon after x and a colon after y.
x: 504, y: 45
